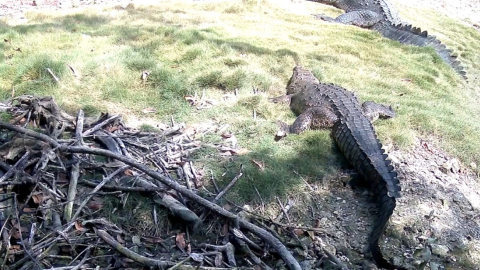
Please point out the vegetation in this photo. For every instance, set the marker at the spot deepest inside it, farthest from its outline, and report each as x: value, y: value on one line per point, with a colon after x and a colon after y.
x: 100, y: 54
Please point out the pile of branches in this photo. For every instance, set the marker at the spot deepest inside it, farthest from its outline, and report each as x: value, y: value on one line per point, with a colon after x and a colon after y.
x: 56, y: 230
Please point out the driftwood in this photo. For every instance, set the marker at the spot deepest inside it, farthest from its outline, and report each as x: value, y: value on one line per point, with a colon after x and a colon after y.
x: 128, y: 161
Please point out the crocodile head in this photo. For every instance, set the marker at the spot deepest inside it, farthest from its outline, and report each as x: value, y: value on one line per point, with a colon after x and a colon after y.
x: 300, y: 80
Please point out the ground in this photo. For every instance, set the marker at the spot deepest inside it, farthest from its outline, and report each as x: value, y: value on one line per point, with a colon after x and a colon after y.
x: 437, y: 221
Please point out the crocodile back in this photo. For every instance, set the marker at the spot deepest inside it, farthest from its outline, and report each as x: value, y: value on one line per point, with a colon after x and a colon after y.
x: 389, y: 11
x: 356, y: 139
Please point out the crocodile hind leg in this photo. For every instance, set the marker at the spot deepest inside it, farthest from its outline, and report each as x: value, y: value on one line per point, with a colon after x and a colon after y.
x: 361, y: 18
x: 314, y: 118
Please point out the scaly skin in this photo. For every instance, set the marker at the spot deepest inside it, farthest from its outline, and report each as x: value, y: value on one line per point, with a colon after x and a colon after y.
x: 328, y: 106
x: 380, y: 15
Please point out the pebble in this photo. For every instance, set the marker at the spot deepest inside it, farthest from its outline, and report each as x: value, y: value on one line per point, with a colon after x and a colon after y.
x: 440, y: 250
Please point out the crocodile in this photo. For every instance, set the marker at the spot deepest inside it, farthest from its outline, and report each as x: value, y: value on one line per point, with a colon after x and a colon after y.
x: 380, y: 15
x: 320, y: 105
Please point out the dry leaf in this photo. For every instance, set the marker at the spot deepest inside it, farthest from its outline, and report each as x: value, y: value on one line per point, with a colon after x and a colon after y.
x: 153, y: 240
x: 398, y: 94
x: 298, y: 232
x: 15, y: 248
x: 224, y: 230
x: 136, y: 240
x: 28, y: 210
x: 259, y: 164
x: 317, y: 223
x: 16, y: 234
x: 62, y: 178
x: 37, y: 197
x: 95, y: 204
x: 79, y: 227
x: 112, y: 129
x: 189, y: 131
x: 196, y: 257
x: 128, y: 172
x: 149, y: 110
x: 180, y: 241
x: 242, y: 151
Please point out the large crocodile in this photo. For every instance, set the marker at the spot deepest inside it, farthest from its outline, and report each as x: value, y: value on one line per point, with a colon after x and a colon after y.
x: 321, y: 105
x: 380, y: 15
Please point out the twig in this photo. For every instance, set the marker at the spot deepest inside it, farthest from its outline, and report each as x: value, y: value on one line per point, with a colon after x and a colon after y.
x: 100, y: 125
x: 12, y: 170
x: 20, y: 233
x: 284, y: 253
x: 284, y: 210
x: 230, y: 185
x: 99, y: 186
x: 73, y: 71
x: 75, y: 172
x: 261, y: 199
x: 335, y: 260
x: 53, y: 75
x: 228, y: 248
x: 79, y: 127
x: 151, y: 189
x: 157, y: 264
x: 221, y: 193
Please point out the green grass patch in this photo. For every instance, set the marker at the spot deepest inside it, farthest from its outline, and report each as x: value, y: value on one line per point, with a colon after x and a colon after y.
x: 189, y: 48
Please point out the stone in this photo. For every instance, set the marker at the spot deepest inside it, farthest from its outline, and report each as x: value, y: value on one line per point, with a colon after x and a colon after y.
x: 440, y: 250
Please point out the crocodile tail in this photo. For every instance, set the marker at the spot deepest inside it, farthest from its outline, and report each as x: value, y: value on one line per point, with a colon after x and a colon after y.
x: 357, y: 140
x: 386, y: 205
x: 408, y: 34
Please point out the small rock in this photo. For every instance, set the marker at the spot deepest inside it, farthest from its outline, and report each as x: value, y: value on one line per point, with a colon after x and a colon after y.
x: 473, y: 165
x: 394, y: 159
x: 433, y: 266
x: 454, y: 165
x: 329, y: 247
x: 440, y: 250
x: 307, y: 264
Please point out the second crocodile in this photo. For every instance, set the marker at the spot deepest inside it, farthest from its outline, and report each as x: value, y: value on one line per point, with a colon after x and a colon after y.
x: 380, y: 15
x: 321, y: 105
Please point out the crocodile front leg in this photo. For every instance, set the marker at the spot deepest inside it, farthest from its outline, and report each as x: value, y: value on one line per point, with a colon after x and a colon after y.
x: 361, y: 18
x: 285, y: 99
x: 373, y: 111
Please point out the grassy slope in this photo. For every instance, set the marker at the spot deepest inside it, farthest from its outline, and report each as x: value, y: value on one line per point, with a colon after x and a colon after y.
x: 193, y: 46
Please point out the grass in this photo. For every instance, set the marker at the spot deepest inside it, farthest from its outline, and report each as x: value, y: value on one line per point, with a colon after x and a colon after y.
x: 191, y: 47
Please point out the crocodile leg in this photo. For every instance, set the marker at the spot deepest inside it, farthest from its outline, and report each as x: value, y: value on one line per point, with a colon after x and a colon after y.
x: 285, y: 99
x: 373, y: 110
x: 314, y: 118
x: 361, y: 18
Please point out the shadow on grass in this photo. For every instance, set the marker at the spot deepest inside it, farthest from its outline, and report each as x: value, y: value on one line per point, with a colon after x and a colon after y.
x: 274, y: 173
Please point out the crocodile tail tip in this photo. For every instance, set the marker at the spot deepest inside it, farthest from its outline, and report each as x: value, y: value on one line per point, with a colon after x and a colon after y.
x: 380, y: 261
